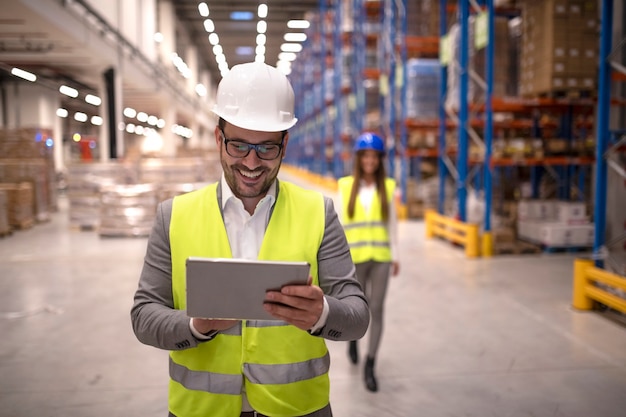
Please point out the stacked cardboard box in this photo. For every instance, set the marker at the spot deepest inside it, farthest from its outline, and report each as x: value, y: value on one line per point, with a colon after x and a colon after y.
x: 19, y: 204
x: 26, y: 154
x: 127, y: 210
x: 557, y: 224
x: 84, y: 182
x: 559, y: 46
x: 5, y: 226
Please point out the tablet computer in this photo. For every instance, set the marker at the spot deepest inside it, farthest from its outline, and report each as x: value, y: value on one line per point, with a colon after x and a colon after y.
x: 225, y: 288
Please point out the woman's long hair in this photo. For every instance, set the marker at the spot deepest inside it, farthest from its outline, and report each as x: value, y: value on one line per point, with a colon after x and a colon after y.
x: 357, y: 173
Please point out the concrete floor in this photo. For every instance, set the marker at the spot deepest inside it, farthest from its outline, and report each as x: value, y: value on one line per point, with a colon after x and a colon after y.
x: 488, y: 337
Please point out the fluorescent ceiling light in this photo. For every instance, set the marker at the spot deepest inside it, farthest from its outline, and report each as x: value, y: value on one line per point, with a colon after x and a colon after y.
x: 96, y: 120
x: 261, y: 26
x: 80, y: 117
x: 295, y: 37
x: 291, y: 47
x: 218, y: 50
x: 161, y: 123
x: 259, y: 58
x: 298, y: 24
x: 262, y: 11
x: 93, y: 100
x: 261, y: 39
x: 130, y: 112
x: 209, y: 26
x: 260, y: 50
x: 214, y: 39
x: 142, y: 116
x: 287, y: 56
x: 152, y: 120
x: 130, y: 128
x: 24, y: 74
x: 62, y: 112
x: 68, y: 91
x: 203, y: 9
x: 241, y: 15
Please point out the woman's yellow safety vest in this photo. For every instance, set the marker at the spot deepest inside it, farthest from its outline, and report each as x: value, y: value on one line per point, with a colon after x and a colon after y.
x: 367, y: 234
x: 284, y: 369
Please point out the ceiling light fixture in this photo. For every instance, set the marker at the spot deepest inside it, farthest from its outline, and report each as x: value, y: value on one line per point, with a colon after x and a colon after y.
x: 291, y: 47
x: 80, y: 117
x: 24, y: 74
x: 287, y: 56
x: 203, y: 9
x: 62, y: 112
x: 241, y: 15
x: 130, y: 112
x: 295, y: 37
x: 93, y: 100
x: 96, y: 120
x: 298, y: 24
x: 68, y: 91
x: 261, y: 26
x: 262, y: 11
x: 209, y: 26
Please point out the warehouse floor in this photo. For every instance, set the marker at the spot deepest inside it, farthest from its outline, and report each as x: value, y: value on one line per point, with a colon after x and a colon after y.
x: 483, y: 337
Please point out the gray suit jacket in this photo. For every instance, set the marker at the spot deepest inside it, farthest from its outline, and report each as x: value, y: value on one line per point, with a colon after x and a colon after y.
x: 156, y: 322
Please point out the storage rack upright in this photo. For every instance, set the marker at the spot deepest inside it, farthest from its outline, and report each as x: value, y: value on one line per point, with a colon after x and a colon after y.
x: 608, y: 142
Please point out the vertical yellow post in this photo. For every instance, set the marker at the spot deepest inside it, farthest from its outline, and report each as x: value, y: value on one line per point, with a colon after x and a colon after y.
x: 428, y: 216
x: 471, y: 244
x: 487, y: 247
x: 580, y: 300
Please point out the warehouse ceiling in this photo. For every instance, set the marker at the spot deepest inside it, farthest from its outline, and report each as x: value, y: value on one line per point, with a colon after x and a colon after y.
x: 234, y: 35
x: 37, y: 36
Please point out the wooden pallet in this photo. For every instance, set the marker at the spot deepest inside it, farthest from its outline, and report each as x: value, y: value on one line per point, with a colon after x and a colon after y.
x: 23, y: 224
x: 517, y: 247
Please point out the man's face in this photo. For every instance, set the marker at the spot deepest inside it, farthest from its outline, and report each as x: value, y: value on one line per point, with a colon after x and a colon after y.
x: 249, y: 177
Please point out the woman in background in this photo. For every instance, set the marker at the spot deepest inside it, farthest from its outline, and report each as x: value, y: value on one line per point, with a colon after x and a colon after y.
x: 368, y: 214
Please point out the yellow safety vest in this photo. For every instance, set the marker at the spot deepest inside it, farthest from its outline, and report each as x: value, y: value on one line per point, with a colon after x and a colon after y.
x: 284, y: 369
x: 367, y: 234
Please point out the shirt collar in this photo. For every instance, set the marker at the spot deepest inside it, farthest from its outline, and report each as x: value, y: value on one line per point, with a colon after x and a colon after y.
x: 227, y: 193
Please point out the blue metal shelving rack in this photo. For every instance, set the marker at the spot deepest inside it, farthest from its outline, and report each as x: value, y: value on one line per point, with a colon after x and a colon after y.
x: 604, y: 143
x: 460, y: 172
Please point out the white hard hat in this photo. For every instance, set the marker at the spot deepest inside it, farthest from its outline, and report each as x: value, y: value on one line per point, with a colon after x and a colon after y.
x: 256, y: 96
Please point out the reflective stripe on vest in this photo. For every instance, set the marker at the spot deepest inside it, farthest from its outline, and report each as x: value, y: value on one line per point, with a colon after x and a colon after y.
x: 366, y: 233
x: 284, y: 369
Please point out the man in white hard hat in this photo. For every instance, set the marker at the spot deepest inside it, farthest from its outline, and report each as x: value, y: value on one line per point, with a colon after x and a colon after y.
x: 251, y: 368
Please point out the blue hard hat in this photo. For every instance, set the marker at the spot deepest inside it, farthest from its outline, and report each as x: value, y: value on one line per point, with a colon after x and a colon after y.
x: 369, y: 140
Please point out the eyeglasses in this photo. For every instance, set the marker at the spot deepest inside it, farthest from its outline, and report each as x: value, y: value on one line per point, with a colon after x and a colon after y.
x: 239, y: 149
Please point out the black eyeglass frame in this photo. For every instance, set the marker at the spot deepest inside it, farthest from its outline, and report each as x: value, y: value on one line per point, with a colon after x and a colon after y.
x: 252, y: 146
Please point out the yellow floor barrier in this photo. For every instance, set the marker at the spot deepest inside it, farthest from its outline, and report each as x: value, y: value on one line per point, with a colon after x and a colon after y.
x: 585, y: 292
x: 465, y: 234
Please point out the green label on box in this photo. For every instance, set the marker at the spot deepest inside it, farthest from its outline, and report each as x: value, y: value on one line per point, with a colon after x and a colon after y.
x: 445, y: 50
x: 481, y: 32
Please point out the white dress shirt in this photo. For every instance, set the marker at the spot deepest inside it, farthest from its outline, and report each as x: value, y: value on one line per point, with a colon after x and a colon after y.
x: 245, y: 235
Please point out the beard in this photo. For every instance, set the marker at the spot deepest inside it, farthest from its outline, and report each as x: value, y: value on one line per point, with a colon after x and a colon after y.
x: 238, y: 185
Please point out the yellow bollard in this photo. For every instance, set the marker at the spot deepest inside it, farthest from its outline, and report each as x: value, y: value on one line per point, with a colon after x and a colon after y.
x: 471, y: 245
x: 580, y: 300
x: 429, y: 218
x: 487, y: 244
